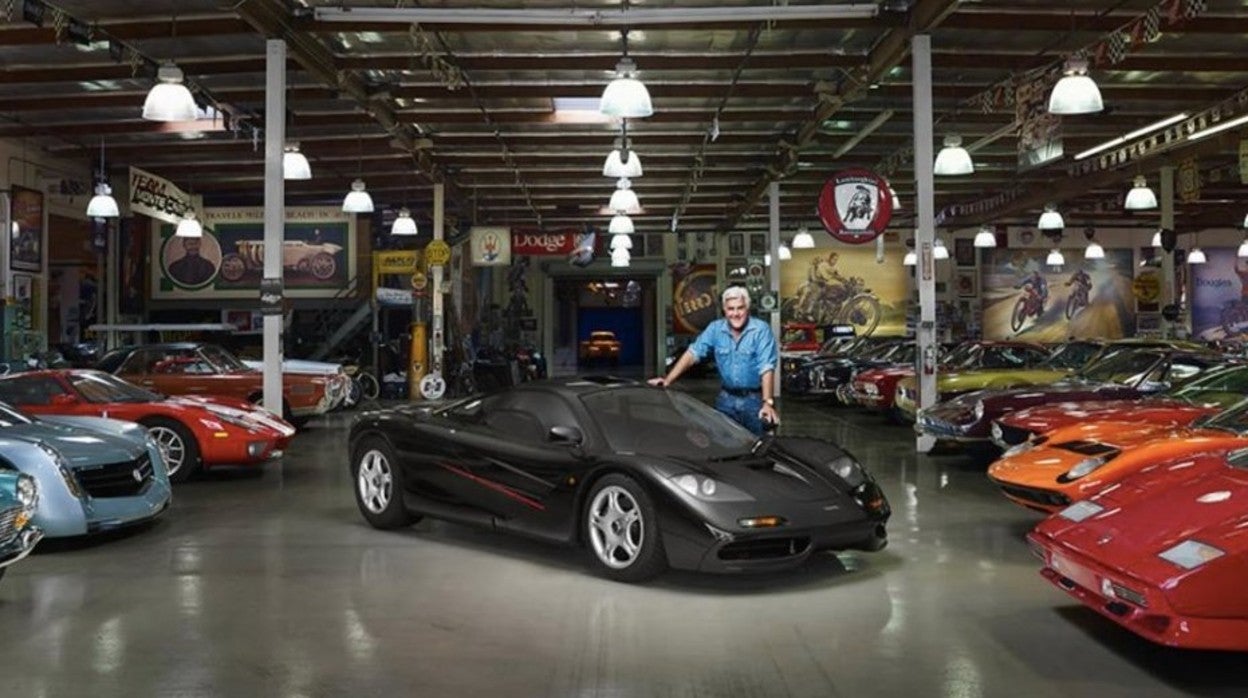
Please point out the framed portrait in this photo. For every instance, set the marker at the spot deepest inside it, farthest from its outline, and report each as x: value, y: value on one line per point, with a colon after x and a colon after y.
x: 736, y: 244
x: 758, y: 244
x: 964, y: 252
x: 964, y: 282
x: 26, y: 243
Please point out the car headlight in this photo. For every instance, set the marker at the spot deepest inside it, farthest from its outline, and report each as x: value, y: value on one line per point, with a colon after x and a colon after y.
x: 1082, y: 468
x: 229, y: 419
x: 62, y: 466
x: 1191, y: 554
x: 849, y: 470
x: 870, y: 389
x: 1080, y: 511
x: 27, y: 493
x: 979, y: 410
x: 709, y: 489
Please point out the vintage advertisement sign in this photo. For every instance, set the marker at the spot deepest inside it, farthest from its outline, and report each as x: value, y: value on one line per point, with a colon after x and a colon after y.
x: 829, y: 287
x: 695, y: 299
x: 395, y: 261
x: 26, y: 236
x: 318, y: 255
x: 157, y: 197
x: 855, y: 206
x: 543, y: 243
x: 489, y: 246
x: 1220, y: 295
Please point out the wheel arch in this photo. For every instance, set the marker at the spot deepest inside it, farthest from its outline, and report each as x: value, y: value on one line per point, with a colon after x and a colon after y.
x: 648, y: 481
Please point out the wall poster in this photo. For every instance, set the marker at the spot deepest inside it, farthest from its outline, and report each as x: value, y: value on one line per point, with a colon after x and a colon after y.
x: 1025, y: 298
x: 829, y: 287
x: 1220, y: 295
x: 26, y: 242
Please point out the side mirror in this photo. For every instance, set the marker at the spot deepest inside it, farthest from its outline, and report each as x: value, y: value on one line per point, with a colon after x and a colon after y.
x: 566, y: 435
x: 63, y: 400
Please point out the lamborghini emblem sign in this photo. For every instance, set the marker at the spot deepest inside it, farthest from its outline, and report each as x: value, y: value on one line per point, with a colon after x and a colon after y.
x: 855, y: 206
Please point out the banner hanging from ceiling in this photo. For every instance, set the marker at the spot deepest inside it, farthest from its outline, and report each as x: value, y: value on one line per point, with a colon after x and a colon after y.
x: 157, y: 197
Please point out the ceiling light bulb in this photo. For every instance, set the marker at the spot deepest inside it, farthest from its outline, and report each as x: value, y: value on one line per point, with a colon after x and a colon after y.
x: 1075, y: 93
x: 803, y: 240
x: 620, y: 224
x: 1055, y: 258
x: 624, y: 200
x: 189, y: 227
x: 985, y: 237
x: 1094, y: 251
x: 1051, y: 219
x: 626, y: 97
x: 1196, y: 256
x: 169, y: 99
x: 103, y: 205
x: 1141, y: 197
x: 910, y: 259
x: 620, y: 257
x: 404, y: 224
x: 357, y: 200
x: 939, y: 251
x: 785, y: 253
x: 617, y: 166
x: 294, y: 163
x: 953, y: 159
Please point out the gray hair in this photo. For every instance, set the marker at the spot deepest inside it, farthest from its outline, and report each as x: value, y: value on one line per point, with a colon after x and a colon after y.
x: 735, y: 292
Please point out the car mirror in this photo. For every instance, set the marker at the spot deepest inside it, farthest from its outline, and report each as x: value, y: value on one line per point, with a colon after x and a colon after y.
x: 63, y: 400
x: 566, y: 435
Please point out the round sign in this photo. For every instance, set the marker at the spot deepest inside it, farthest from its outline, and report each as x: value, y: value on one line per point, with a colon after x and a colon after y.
x: 855, y: 205
x: 767, y: 302
x: 419, y: 280
x: 432, y: 387
x: 1147, y: 288
x: 437, y: 253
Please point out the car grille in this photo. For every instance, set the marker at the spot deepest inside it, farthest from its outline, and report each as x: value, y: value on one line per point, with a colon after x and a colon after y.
x: 1011, y: 436
x: 8, y: 523
x: 1045, y: 497
x: 116, y: 479
x: 765, y: 548
x: 1088, y: 448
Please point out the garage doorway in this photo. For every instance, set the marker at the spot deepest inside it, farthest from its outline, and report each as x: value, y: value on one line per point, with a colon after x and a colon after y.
x: 620, y: 304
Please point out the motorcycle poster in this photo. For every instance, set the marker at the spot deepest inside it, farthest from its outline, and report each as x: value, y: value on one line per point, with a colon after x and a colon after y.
x: 1024, y: 298
x: 845, y: 286
x: 1220, y: 295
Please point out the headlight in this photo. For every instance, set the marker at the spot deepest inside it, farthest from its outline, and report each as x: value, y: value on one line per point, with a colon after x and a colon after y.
x: 1082, y: 468
x: 229, y: 419
x: 709, y: 489
x: 848, y: 470
x: 1191, y: 554
x: 27, y: 493
x: 979, y: 410
x: 1081, y: 510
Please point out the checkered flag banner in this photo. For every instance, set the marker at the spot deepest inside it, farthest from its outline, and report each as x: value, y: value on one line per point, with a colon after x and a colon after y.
x: 1117, y: 47
x: 1194, y: 7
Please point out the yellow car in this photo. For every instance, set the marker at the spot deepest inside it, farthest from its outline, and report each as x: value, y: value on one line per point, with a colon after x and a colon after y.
x: 999, y: 365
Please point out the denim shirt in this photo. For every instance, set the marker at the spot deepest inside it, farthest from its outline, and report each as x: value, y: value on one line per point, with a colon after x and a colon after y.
x: 741, y: 362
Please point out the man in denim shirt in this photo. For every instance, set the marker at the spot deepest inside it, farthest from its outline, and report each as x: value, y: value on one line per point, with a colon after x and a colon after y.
x: 746, y: 356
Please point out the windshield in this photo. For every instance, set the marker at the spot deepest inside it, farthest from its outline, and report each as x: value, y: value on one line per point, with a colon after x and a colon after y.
x: 665, y: 422
x: 1225, y: 386
x: 1072, y: 355
x: 1233, y: 419
x: 95, y: 386
x: 960, y: 355
x: 222, y: 360
x: 1125, y: 367
x: 10, y: 417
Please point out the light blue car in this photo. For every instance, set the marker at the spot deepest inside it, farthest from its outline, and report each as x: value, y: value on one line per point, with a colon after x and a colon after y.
x: 19, y: 495
x: 93, y: 474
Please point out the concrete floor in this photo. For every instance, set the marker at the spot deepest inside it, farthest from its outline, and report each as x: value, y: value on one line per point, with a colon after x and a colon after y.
x: 271, y: 584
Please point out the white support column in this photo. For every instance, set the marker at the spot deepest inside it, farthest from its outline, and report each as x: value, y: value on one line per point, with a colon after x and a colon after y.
x: 925, y: 333
x: 436, y: 335
x: 773, y: 275
x: 274, y: 214
x: 1169, y: 294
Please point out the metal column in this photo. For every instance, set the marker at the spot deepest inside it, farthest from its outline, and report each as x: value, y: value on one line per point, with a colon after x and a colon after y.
x: 925, y: 333
x: 773, y: 276
x: 437, y: 343
x: 274, y: 214
x: 1169, y: 294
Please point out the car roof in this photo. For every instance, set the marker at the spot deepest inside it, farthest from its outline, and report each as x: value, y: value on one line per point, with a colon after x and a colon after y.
x: 577, y: 386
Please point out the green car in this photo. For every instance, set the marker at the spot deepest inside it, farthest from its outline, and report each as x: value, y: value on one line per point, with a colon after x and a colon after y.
x: 1001, y: 365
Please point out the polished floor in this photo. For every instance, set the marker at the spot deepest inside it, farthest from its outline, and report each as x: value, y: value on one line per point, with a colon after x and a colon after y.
x: 270, y: 584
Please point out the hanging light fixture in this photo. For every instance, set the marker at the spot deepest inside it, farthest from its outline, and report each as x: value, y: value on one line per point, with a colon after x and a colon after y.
x: 620, y: 224
x: 1196, y: 256
x: 358, y: 199
x: 1157, y: 238
x: 626, y: 96
x: 620, y: 257
x: 1075, y: 93
x: 953, y: 159
x: 785, y: 253
x: 169, y: 99
x: 102, y: 205
x: 1094, y: 251
x: 404, y: 224
x: 1141, y: 197
x: 803, y: 240
x: 986, y: 237
x: 624, y: 200
x: 1243, y: 249
x: 910, y: 259
x: 1055, y: 258
x: 189, y: 226
x: 1245, y: 221
x: 621, y: 241
x: 1051, y: 219
x: 896, y: 199
x: 939, y: 251
x: 623, y: 161
x: 294, y: 163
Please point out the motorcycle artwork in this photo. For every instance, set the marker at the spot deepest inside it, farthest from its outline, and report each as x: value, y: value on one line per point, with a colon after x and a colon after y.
x: 828, y: 298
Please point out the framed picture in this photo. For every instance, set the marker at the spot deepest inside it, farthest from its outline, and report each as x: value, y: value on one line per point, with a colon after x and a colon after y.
x: 758, y: 244
x: 26, y: 243
x: 24, y: 295
x: 736, y: 244
x: 964, y: 282
x: 964, y: 252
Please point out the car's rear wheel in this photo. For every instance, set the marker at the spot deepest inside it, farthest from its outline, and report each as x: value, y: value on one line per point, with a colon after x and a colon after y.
x: 379, y: 485
x: 177, y: 446
x: 621, y: 530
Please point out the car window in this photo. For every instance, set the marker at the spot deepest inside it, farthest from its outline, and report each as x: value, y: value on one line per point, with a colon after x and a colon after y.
x: 1072, y: 355
x: 1126, y: 367
x: 1232, y: 380
x: 140, y: 361
x: 183, y: 362
x: 30, y: 390
x: 1008, y: 357
x: 541, y: 412
x: 1183, y: 369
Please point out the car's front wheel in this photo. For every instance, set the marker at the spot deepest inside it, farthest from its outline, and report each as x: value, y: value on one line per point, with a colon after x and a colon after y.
x: 379, y: 485
x: 621, y: 530
x: 177, y: 446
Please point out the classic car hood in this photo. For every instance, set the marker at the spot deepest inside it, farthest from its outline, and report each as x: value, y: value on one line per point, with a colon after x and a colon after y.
x: 886, y: 372
x: 83, y: 440
x: 1046, y: 418
x: 1066, y: 390
x: 300, y: 366
x: 963, y: 381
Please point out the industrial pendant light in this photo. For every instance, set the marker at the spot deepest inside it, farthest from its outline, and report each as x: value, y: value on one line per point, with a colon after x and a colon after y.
x: 294, y: 163
x: 785, y: 253
x: 803, y: 240
x: 623, y: 161
x: 1141, y: 197
x: 102, y: 205
x: 620, y: 257
x: 953, y: 159
x: 620, y: 225
x: 1075, y: 93
x: 169, y: 99
x: 1055, y: 258
x: 621, y: 241
x: 986, y: 237
x: 910, y: 259
x: 939, y: 251
x: 626, y: 96
x: 624, y: 200
x: 404, y: 224
x: 358, y: 199
x: 189, y: 226
x: 1051, y: 219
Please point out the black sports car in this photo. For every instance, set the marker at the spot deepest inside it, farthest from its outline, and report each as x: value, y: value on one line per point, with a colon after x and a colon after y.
x: 643, y: 478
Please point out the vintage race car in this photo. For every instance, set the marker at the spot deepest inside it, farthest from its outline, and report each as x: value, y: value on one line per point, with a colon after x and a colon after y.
x: 1162, y: 553
x: 193, y: 432
x: 318, y: 259
x: 826, y: 372
x: 93, y: 474
x: 600, y: 346
x: 339, y: 382
x: 643, y: 478
x: 19, y: 496
x: 1075, y: 462
x: 999, y: 366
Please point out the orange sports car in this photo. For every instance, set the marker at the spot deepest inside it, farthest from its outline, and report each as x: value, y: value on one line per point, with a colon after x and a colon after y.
x: 1075, y: 462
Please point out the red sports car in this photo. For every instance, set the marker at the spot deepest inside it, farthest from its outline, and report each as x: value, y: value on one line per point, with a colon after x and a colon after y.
x: 1162, y: 553
x: 193, y: 432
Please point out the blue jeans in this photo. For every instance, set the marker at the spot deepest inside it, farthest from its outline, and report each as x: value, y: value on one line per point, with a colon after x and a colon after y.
x: 742, y: 409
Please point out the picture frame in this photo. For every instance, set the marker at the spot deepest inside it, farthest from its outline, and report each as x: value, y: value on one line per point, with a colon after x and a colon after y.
x: 964, y: 252
x: 26, y: 243
x: 758, y: 244
x: 736, y: 244
x: 24, y: 297
x: 966, y: 284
